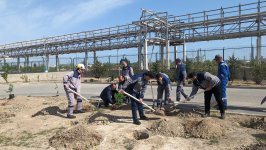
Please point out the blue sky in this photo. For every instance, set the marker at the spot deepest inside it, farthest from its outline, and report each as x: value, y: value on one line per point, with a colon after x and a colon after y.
x: 31, y: 19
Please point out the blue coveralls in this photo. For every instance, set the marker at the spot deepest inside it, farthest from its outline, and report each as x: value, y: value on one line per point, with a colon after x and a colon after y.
x: 164, y: 87
x: 223, y: 74
x: 180, y: 78
x: 136, y: 87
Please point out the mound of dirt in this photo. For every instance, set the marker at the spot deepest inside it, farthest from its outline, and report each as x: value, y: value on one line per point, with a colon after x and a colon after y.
x: 258, y: 146
x: 255, y: 123
x: 78, y: 137
x: 159, y: 112
x: 102, y: 121
x: 170, y: 128
x: 206, y: 129
x: 5, y: 115
x: 141, y: 134
x: 188, y: 114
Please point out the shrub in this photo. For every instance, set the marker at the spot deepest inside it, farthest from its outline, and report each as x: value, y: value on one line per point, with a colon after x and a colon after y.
x: 258, y: 73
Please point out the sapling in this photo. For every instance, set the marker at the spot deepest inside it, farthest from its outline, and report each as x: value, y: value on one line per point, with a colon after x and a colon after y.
x: 119, y: 98
x: 56, y: 88
x: 10, y: 91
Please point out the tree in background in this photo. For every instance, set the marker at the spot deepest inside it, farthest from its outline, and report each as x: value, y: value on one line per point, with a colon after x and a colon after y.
x: 5, y: 72
x: 98, y: 69
x: 234, y: 65
x: 258, y: 71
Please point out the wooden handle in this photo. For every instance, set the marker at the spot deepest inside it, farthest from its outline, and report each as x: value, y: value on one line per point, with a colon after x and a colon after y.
x: 138, y: 100
x: 78, y: 94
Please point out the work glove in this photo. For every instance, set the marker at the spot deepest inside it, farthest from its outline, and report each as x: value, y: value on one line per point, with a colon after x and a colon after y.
x: 66, y: 86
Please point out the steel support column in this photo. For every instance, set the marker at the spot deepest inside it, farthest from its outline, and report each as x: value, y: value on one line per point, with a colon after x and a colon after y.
x: 86, y: 60
x: 46, y: 63
x: 167, y: 55
x: 175, y: 53
x: 258, y: 52
x: 140, y: 63
x: 162, y: 54
x: 184, y: 52
x: 18, y: 64
x: 57, y: 63
x: 146, y: 55
x: 94, y: 57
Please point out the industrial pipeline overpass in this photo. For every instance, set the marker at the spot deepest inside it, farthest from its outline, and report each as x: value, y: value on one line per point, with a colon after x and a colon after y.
x: 153, y: 28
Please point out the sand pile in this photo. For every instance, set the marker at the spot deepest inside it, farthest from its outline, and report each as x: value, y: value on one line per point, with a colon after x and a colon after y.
x: 206, y: 129
x: 255, y: 123
x: 258, y: 146
x: 78, y: 137
x: 188, y: 114
x: 170, y: 128
x: 5, y: 115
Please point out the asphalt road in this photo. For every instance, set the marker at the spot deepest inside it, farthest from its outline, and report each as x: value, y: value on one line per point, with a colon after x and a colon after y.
x: 240, y: 100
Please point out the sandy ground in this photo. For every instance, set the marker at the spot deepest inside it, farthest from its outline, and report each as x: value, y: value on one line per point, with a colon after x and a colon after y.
x: 40, y: 123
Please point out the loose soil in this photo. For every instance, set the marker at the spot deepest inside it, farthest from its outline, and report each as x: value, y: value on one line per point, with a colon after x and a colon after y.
x: 40, y: 123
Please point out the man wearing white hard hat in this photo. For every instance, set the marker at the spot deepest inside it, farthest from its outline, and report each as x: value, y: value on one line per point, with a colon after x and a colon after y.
x: 72, y: 81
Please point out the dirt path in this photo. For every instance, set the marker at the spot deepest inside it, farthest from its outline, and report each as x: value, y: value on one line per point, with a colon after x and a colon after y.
x: 40, y: 123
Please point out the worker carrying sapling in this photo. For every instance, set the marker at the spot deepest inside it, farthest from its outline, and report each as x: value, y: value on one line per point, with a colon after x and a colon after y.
x: 72, y: 81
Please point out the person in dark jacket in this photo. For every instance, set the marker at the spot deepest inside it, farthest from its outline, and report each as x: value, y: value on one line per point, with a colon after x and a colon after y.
x: 127, y: 71
x: 180, y: 77
x: 224, y: 75
x: 164, y: 86
x: 211, y: 85
x: 107, y: 95
x: 137, y: 87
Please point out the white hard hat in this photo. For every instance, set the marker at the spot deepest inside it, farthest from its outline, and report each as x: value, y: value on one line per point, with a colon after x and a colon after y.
x: 80, y: 66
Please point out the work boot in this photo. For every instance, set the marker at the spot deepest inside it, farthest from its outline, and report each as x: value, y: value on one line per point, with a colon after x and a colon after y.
x: 80, y: 111
x: 206, y: 115
x: 137, y: 122
x: 70, y: 116
x: 144, y: 118
x: 222, y: 116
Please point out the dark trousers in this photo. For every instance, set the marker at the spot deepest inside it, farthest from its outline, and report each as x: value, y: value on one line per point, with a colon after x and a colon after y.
x: 218, y: 96
x: 136, y: 106
x: 106, y: 102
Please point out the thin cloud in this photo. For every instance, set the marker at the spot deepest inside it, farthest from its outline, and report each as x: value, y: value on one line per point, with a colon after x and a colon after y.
x: 86, y: 10
x: 33, y: 19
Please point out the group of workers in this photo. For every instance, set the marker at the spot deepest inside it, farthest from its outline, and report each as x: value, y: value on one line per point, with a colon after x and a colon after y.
x: 136, y: 85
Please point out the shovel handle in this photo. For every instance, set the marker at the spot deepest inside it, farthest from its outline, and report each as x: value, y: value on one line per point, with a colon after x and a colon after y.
x: 138, y: 100
x: 77, y: 94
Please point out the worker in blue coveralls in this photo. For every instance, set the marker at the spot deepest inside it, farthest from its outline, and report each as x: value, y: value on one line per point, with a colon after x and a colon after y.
x: 136, y: 86
x: 164, y: 85
x: 224, y: 76
x: 127, y: 71
x: 180, y: 77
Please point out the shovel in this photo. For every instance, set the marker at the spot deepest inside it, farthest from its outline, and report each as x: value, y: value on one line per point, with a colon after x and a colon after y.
x: 138, y: 100
x: 77, y: 94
